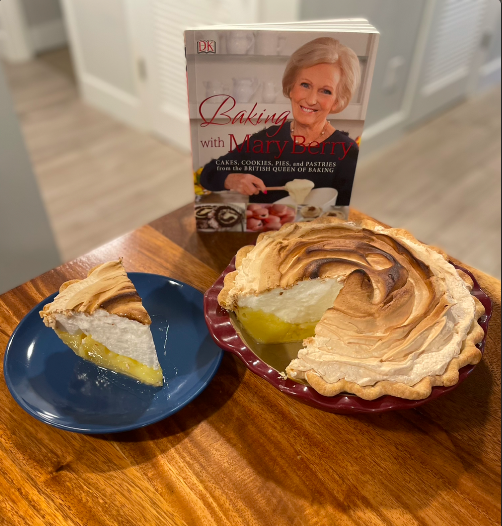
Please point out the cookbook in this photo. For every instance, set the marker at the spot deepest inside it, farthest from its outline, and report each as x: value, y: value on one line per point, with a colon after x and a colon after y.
x: 277, y: 113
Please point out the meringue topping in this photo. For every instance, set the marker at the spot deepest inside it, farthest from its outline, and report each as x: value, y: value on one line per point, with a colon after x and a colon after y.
x: 106, y: 287
x: 403, y: 312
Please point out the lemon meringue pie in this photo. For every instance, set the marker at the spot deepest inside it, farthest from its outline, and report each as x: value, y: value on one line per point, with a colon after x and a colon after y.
x: 378, y: 311
x: 103, y: 320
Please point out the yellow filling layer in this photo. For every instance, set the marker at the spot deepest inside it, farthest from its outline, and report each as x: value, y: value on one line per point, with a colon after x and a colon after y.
x: 89, y: 349
x: 268, y: 328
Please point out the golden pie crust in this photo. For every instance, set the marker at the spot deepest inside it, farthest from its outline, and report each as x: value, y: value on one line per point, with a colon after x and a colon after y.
x: 329, y: 247
x: 470, y: 355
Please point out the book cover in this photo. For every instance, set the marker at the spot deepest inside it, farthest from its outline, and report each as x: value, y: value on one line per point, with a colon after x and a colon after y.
x: 276, y: 117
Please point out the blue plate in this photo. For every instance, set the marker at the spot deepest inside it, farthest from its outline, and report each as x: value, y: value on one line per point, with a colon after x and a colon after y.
x: 58, y: 388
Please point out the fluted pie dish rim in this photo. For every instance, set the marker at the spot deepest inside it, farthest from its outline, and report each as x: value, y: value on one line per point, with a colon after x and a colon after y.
x: 342, y: 397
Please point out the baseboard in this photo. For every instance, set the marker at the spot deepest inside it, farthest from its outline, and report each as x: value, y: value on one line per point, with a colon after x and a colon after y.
x: 47, y: 36
x: 118, y: 104
x: 490, y: 74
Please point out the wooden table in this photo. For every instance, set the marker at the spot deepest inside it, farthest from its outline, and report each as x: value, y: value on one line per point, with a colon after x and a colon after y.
x: 242, y: 453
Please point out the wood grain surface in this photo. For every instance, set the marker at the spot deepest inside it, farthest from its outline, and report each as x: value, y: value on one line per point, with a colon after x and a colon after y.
x: 242, y: 453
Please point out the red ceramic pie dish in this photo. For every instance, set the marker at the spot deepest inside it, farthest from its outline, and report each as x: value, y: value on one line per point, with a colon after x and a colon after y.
x: 227, y: 338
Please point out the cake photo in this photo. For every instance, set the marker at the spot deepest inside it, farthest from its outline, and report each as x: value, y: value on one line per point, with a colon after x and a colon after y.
x: 220, y: 218
x: 103, y: 320
x: 376, y: 311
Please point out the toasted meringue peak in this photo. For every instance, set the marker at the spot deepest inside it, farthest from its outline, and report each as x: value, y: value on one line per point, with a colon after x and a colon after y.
x: 106, y: 287
x: 403, y: 314
x: 327, y: 248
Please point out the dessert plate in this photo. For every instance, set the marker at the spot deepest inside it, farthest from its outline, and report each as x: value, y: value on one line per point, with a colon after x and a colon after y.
x: 268, y: 364
x: 60, y: 389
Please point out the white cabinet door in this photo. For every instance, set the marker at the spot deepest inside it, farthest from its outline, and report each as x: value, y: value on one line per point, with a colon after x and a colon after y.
x: 100, y: 36
x: 158, y: 27
x: 454, y: 38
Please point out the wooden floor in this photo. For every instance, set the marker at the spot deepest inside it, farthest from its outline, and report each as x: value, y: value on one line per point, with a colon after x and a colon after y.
x: 100, y: 179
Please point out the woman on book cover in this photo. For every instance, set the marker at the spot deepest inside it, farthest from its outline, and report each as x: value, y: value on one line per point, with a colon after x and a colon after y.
x: 320, y: 79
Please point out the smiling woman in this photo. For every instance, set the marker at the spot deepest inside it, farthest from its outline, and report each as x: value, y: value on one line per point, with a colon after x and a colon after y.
x: 320, y: 79
x: 323, y: 71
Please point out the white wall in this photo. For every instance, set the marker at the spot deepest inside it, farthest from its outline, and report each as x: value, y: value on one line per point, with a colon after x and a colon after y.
x: 15, y: 43
x: 496, y: 42
x: 27, y: 246
x: 3, y: 38
x: 490, y: 72
x: 41, y: 11
x: 44, y: 20
x: 279, y: 10
x: 102, y: 47
x: 398, y: 22
x: 105, y: 42
x: 405, y: 32
x: 30, y: 27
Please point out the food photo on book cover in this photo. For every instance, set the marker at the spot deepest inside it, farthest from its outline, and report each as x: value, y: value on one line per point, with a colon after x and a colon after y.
x: 276, y: 124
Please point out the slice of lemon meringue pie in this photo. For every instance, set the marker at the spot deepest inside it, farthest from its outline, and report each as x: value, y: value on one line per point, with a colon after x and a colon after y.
x: 378, y: 312
x: 102, y: 319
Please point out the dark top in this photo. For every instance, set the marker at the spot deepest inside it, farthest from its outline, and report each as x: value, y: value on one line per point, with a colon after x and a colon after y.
x: 272, y: 156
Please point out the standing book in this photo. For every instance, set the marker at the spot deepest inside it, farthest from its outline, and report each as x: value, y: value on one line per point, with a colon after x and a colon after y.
x: 277, y: 112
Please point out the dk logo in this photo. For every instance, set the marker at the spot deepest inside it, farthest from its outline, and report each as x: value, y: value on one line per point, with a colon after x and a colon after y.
x: 206, y: 46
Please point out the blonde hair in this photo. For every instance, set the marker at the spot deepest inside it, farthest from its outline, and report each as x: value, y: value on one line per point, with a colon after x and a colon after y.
x: 326, y: 51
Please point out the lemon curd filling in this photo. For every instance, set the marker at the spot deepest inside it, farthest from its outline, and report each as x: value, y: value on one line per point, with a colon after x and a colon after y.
x: 268, y: 328
x: 287, y: 315
x: 89, y: 349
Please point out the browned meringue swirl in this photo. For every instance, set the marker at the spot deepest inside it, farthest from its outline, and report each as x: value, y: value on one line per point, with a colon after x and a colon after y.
x: 106, y: 287
x: 333, y: 251
x: 392, y: 308
x: 388, y: 292
x: 402, y: 313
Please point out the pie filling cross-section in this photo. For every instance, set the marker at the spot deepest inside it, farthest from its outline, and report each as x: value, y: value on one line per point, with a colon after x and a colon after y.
x: 103, y: 320
x: 378, y: 312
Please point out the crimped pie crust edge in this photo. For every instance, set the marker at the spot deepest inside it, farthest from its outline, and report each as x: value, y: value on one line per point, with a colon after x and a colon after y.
x: 469, y: 355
